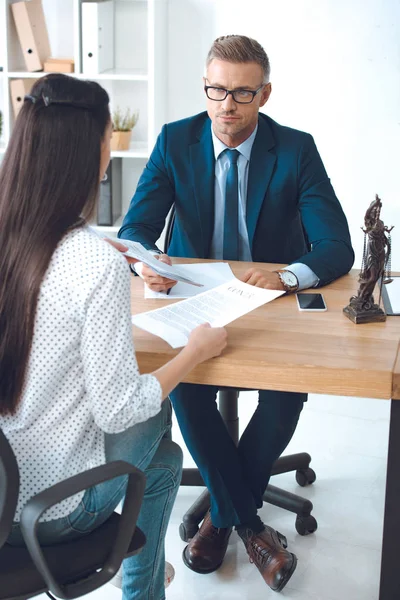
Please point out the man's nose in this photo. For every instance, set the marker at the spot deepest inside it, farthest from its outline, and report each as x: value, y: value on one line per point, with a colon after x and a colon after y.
x: 228, y: 104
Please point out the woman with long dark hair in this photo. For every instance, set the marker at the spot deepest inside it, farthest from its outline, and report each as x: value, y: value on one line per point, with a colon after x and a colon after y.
x: 71, y: 395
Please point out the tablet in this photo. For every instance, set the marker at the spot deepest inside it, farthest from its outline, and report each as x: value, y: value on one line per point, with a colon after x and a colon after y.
x: 391, y: 296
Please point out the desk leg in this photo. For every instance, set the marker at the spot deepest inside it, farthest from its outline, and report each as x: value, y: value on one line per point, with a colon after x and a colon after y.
x: 390, y: 579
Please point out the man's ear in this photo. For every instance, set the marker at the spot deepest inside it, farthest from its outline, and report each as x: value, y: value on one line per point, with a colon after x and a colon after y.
x: 265, y: 94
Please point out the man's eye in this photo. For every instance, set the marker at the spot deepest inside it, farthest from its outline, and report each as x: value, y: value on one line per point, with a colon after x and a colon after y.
x: 216, y: 93
x: 243, y: 94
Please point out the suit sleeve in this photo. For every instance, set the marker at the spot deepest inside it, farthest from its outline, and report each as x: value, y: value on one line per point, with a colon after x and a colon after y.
x: 324, y: 223
x: 154, y: 196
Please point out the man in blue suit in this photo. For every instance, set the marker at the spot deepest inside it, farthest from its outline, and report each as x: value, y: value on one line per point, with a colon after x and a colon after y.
x: 244, y: 188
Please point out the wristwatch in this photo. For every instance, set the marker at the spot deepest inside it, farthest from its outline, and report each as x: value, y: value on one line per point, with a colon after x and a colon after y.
x: 288, y: 280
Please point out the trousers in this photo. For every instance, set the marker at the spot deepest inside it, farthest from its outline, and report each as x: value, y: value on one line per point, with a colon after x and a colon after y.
x: 236, y: 477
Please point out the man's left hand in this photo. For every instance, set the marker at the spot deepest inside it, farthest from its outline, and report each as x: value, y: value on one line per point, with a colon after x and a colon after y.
x: 263, y: 279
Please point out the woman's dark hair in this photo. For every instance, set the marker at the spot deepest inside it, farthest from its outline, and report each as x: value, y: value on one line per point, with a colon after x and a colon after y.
x: 49, y: 183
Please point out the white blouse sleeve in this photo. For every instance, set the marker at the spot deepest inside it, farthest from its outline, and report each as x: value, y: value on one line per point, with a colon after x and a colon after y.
x: 118, y: 395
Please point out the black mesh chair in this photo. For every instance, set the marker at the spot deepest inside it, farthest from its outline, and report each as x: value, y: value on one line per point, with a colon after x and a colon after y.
x: 228, y: 406
x: 71, y: 569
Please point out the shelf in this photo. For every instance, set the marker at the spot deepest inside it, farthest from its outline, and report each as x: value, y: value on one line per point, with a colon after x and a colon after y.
x: 138, y: 79
x: 117, y: 75
x: 111, y: 75
x: 25, y: 74
x: 136, y: 150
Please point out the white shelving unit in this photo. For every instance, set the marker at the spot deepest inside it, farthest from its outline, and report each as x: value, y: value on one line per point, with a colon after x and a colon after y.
x: 137, y: 81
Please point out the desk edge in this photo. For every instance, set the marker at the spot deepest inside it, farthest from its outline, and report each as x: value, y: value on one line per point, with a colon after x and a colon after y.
x: 396, y: 377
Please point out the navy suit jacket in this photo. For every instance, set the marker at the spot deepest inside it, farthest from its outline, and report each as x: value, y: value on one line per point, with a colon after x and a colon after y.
x: 292, y: 212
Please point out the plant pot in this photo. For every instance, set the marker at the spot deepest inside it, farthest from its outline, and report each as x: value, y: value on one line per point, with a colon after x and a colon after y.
x: 120, y: 140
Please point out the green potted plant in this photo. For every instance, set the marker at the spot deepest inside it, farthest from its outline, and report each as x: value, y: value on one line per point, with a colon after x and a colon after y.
x: 123, y: 123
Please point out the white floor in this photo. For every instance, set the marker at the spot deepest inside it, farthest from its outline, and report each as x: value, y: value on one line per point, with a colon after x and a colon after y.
x: 347, y: 438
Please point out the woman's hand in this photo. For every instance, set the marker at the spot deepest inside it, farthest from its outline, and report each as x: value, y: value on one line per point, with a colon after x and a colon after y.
x: 206, y: 342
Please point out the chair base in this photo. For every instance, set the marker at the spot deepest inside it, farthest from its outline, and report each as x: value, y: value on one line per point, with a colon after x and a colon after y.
x: 305, y: 522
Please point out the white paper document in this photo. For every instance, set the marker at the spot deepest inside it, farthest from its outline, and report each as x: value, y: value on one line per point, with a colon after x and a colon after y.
x: 210, y: 274
x: 218, y: 306
x: 136, y: 250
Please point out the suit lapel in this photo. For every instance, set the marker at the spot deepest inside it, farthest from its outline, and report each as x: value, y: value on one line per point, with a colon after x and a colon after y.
x: 202, y: 162
x: 262, y: 162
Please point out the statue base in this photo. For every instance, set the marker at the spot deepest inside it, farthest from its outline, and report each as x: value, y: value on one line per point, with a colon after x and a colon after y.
x: 364, y: 313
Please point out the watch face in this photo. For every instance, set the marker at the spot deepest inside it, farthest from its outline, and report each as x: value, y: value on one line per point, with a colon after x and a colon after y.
x: 289, y: 278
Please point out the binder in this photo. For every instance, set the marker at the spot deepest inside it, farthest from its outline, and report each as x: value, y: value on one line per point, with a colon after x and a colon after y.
x: 110, y: 198
x: 97, y: 36
x: 19, y: 88
x: 32, y: 33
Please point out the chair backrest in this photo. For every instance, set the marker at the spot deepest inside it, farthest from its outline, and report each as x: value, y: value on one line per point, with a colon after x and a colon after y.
x: 9, y: 486
x: 170, y: 226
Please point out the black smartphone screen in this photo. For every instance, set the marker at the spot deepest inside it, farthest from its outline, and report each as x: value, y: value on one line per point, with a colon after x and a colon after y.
x: 311, y: 302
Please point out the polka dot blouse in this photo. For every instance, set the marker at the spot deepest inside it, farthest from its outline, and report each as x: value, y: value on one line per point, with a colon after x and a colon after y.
x: 82, y: 378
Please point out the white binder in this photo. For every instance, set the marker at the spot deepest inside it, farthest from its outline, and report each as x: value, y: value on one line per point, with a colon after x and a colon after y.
x: 97, y: 36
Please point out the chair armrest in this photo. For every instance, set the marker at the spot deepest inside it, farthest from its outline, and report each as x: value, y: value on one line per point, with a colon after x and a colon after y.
x: 39, y: 503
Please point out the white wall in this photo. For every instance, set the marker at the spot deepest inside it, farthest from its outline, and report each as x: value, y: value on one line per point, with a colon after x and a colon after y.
x: 335, y: 73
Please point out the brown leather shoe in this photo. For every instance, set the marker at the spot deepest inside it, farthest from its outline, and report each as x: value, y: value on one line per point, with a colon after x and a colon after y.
x: 267, y: 550
x: 206, y: 550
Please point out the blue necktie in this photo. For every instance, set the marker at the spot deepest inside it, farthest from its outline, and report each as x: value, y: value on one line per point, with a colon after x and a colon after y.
x: 231, y: 219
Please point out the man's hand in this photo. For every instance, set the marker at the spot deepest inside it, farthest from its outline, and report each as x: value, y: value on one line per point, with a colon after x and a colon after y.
x: 121, y: 248
x: 155, y: 282
x: 263, y: 279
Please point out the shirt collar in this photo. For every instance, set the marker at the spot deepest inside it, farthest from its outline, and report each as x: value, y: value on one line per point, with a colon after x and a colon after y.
x: 244, y: 148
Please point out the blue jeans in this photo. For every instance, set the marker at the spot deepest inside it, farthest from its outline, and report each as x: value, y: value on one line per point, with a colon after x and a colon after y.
x: 149, y: 447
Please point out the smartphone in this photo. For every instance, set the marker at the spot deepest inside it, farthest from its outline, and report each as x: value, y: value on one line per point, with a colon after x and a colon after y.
x: 314, y: 302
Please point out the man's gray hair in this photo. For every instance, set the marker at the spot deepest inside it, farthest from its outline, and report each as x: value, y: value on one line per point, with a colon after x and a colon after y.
x: 239, y: 49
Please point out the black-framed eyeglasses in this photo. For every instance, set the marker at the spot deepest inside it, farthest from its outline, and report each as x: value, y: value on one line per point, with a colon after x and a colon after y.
x: 240, y: 96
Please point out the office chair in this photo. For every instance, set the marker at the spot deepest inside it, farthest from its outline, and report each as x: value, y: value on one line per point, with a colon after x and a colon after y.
x: 228, y: 407
x: 70, y: 569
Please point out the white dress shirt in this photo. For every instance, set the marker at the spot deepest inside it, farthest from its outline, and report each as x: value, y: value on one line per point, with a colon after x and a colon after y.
x: 82, y: 378
x: 306, y: 277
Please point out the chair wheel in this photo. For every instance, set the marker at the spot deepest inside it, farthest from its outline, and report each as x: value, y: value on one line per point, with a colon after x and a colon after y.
x: 306, y: 525
x: 187, y: 532
x: 305, y: 477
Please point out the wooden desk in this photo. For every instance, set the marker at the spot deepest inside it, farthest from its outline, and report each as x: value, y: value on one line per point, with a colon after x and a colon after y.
x: 277, y: 347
